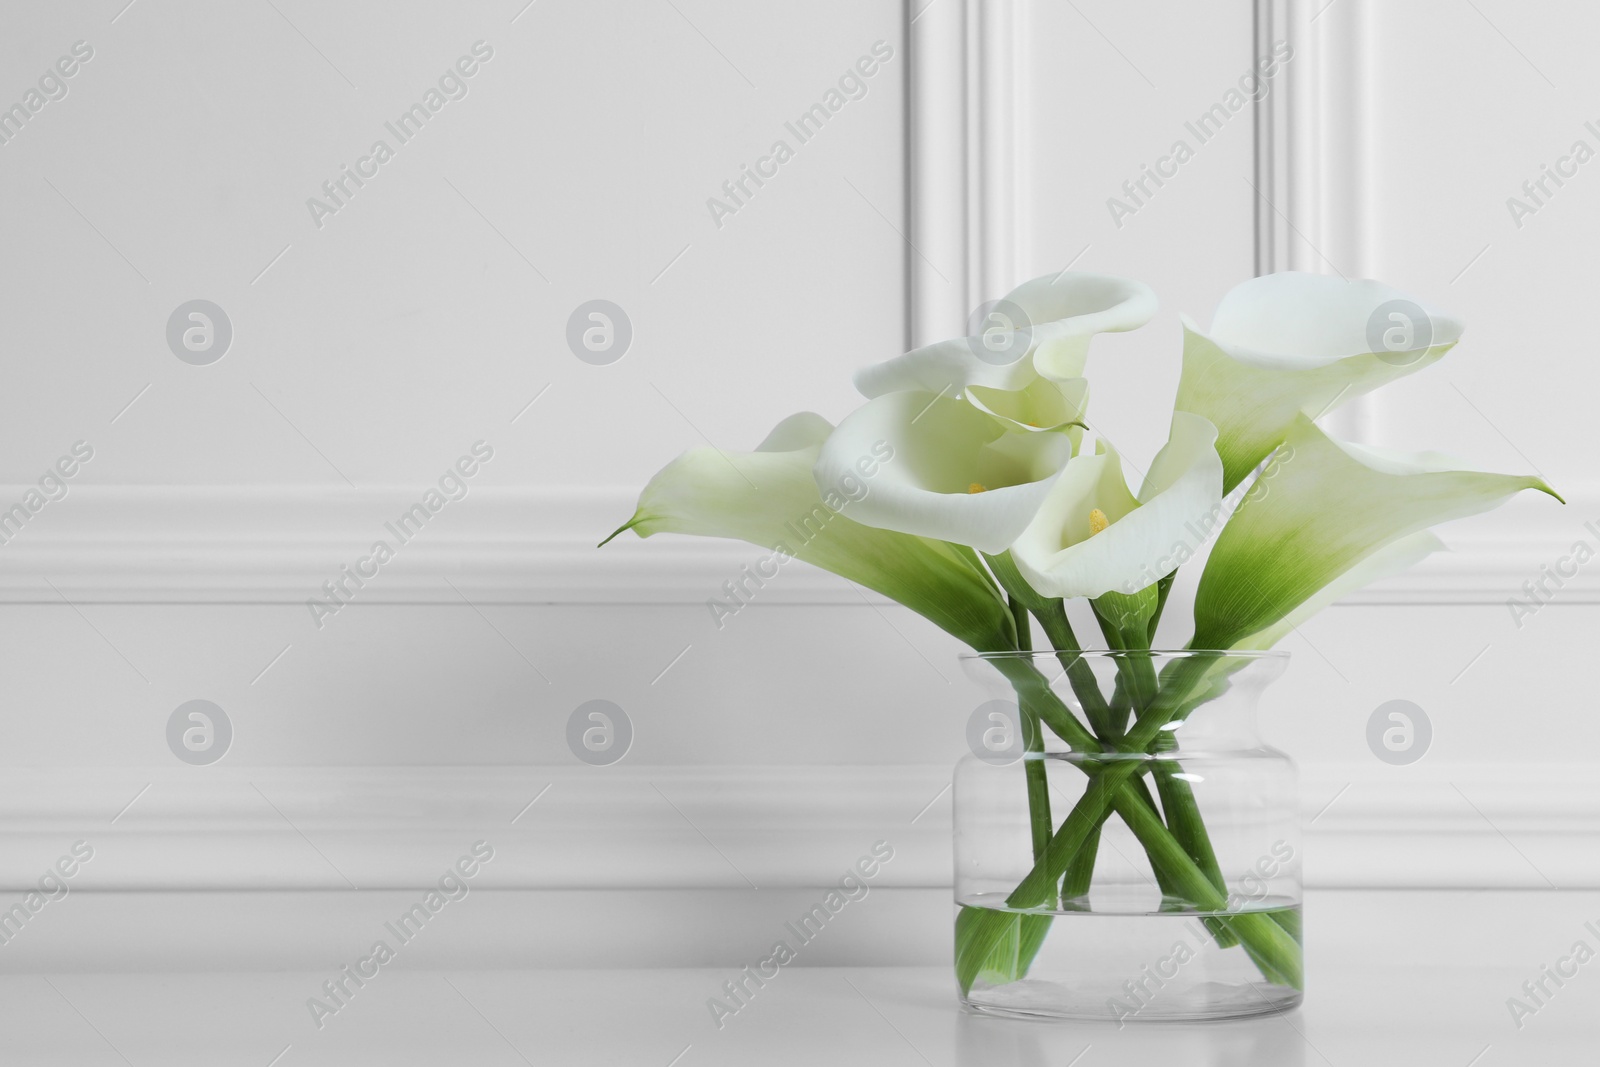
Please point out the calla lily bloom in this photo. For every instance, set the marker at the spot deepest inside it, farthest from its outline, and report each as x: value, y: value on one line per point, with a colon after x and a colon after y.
x: 769, y: 498
x: 1035, y: 342
x: 972, y: 446
x: 1336, y: 515
x: 958, y: 474
x: 1285, y: 345
x: 1093, y: 536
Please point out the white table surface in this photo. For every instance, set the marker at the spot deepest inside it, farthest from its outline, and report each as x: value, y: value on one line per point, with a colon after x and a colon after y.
x: 1409, y: 978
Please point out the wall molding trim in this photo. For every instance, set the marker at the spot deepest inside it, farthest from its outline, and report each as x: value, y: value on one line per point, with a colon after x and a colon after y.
x: 1312, y: 159
x: 962, y: 152
x: 1312, y: 155
x: 629, y: 827
x: 279, y: 544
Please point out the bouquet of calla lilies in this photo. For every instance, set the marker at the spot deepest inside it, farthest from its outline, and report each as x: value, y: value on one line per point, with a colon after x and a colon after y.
x: 971, y: 488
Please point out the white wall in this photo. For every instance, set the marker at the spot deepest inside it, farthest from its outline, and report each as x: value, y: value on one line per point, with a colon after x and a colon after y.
x: 407, y: 326
x: 771, y: 752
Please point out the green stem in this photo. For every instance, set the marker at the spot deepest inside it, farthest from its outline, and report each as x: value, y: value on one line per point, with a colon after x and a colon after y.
x: 1033, y: 745
x: 1109, y: 776
x: 1079, y: 876
x: 1185, y: 867
x: 1187, y: 826
x: 1163, y: 589
x: 1103, y: 719
x: 1110, y: 788
x: 1033, y: 691
x: 1108, y: 721
x: 1052, y: 615
x: 1008, y: 953
x: 1136, y: 673
x: 1184, y: 819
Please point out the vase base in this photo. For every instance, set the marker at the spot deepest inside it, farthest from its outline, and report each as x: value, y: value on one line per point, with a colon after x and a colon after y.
x: 1040, y: 1000
x: 1112, y: 960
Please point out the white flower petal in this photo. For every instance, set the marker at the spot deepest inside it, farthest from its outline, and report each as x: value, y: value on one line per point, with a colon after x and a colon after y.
x: 1060, y: 556
x: 806, y: 429
x: 1286, y: 345
x: 768, y: 497
x: 1069, y: 309
x: 947, y: 367
x: 956, y: 474
x: 1061, y: 312
x: 1294, y: 320
x: 1043, y: 404
x: 1327, y: 507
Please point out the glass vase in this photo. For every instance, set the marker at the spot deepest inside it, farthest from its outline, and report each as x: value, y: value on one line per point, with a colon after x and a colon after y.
x: 1141, y: 862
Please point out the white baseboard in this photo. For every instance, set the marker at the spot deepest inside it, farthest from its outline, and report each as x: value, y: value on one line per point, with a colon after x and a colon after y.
x: 710, y: 828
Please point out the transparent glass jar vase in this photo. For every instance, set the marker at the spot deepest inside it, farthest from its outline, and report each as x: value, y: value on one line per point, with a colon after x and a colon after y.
x: 1126, y: 846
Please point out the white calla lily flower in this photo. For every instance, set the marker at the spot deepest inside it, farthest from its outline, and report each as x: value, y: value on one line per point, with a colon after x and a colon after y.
x: 1286, y: 345
x: 769, y: 498
x: 958, y: 474
x: 1334, y: 516
x: 1093, y: 536
x: 1039, y: 330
